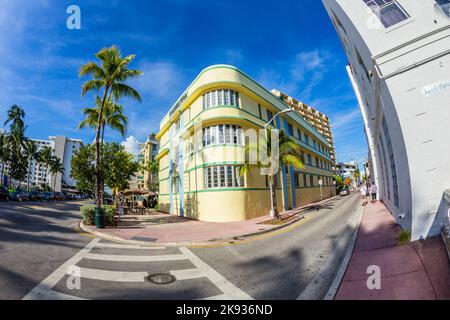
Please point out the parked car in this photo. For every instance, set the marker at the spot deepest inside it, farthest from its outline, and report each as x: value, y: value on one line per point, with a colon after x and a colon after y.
x: 19, y: 196
x: 35, y: 196
x: 4, y: 194
x: 60, y: 196
x: 344, y: 192
x: 48, y: 196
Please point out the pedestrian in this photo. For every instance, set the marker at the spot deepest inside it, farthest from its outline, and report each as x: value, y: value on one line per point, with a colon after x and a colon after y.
x: 363, y: 191
x: 374, y: 191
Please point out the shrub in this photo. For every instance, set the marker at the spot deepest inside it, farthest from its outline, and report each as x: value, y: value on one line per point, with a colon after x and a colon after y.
x: 157, y: 207
x: 404, y: 237
x: 88, y: 214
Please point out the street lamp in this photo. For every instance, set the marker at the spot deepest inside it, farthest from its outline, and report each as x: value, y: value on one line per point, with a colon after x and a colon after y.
x: 272, y: 205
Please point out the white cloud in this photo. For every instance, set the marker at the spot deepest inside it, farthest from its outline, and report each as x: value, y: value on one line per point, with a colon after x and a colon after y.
x: 159, y: 78
x: 345, y: 120
x: 132, y: 145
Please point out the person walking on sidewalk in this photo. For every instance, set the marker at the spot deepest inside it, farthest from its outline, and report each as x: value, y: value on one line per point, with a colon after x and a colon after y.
x: 363, y: 192
x: 374, y: 192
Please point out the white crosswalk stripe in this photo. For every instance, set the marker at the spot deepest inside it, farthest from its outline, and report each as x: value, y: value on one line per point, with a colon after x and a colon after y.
x: 45, y: 290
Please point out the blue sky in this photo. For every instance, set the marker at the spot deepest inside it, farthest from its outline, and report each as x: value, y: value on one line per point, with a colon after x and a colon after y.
x: 289, y: 45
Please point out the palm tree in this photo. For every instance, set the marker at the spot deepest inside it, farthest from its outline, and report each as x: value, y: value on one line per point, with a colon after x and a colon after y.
x: 152, y: 168
x: 289, y: 155
x: 111, y: 77
x: 112, y: 117
x: 31, y: 153
x: 56, y: 167
x: 45, y: 157
x: 15, y: 116
x: 5, y: 152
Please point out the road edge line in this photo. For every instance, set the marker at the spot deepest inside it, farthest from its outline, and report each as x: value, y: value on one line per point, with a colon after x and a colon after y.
x: 332, y: 291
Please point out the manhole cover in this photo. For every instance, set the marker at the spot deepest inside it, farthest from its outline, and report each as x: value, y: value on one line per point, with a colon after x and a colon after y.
x: 161, y: 278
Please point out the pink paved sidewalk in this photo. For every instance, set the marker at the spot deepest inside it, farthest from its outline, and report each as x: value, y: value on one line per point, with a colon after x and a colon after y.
x: 416, y: 271
x: 171, y: 229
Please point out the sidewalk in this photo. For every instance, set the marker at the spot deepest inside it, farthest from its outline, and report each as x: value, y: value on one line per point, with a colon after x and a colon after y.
x: 419, y: 270
x: 168, y: 229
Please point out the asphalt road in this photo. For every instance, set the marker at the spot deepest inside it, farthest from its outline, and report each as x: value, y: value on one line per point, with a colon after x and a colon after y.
x: 42, y: 255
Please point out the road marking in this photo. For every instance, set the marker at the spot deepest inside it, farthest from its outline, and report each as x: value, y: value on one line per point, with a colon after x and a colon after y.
x: 256, y: 238
x: 219, y: 297
x: 113, y: 276
x: 231, y: 292
x: 126, y: 246
x: 187, y: 274
x: 117, y: 258
x: 326, y: 274
x: 43, y: 290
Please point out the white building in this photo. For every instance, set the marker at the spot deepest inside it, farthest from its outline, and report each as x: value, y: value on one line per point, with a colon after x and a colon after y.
x: 399, y: 56
x: 347, y: 170
x: 63, y: 148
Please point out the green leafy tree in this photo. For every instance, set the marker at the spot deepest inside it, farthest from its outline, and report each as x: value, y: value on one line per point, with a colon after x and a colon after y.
x: 110, y: 77
x: 83, y: 169
x: 119, y: 167
x: 339, y: 183
x: 116, y: 170
x: 289, y: 154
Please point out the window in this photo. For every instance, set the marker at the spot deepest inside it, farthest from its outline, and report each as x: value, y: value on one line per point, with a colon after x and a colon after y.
x: 297, y: 180
x: 306, y: 139
x: 388, y: 11
x: 223, y: 97
x: 290, y: 129
x: 305, y: 180
x: 390, y: 150
x: 269, y: 115
x: 299, y: 134
x: 314, y: 144
x: 309, y: 160
x: 222, y: 134
x: 311, y: 181
x: 317, y: 162
x: 219, y: 177
x: 259, y: 111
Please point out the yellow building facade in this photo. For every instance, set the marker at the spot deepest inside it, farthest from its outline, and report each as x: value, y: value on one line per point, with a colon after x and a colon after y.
x: 202, y: 147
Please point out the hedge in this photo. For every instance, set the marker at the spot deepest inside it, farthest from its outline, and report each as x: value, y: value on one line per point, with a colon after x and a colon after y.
x: 88, y: 214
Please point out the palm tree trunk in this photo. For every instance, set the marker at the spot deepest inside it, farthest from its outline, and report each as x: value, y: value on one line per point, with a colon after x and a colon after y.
x: 3, y: 173
x: 98, y: 186
x: 102, y: 182
x: 28, y: 177
x: 274, y: 199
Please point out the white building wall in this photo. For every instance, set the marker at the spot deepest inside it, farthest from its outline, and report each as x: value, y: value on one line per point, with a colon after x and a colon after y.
x: 401, y: 62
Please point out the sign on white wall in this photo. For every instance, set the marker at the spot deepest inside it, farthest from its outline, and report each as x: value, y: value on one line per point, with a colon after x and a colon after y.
x: 435, y: 88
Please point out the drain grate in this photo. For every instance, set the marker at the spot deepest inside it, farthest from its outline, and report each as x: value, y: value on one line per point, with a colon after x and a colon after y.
x: 161, y: 278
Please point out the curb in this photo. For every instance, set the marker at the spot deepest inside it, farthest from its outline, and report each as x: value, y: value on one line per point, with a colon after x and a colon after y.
x: 222, y: 241
x: 332, y: 291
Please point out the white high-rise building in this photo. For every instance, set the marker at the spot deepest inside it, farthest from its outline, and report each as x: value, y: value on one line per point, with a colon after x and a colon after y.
x: 63, y: 148
x: 399, y: 66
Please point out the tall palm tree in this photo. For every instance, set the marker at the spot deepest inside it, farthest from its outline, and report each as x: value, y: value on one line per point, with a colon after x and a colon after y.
x: 112, y: 117
x: 45, y: 157
x: 289, y: 154
x: 152, y: 168
x: 31, y: 153
x: 15, y: 116
x: 109, y: 77
x: 56, y: 167
x: 5, y: 152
